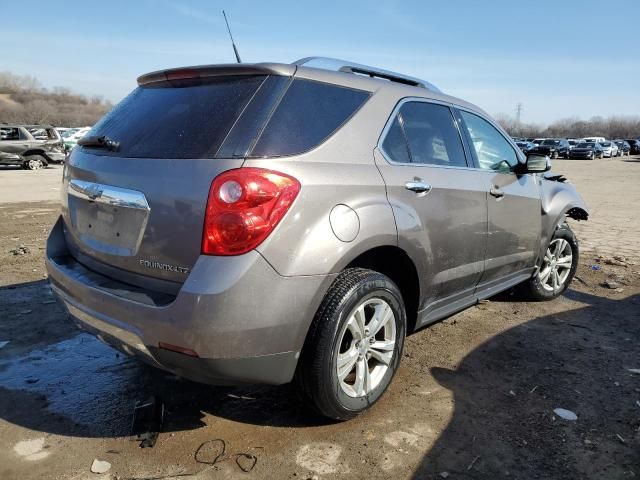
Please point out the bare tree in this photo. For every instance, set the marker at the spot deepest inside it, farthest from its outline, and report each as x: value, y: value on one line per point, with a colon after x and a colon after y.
x: 24, y: 100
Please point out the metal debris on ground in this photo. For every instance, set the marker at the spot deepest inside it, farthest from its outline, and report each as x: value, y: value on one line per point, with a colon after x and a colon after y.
x: 610, y: 284
x: 565, y: 414
x: 3, y: 343
x: 634, y: 370
x: 148, y: 417
x: 100, y: 466
x: 20, y: 250
x: 473, y: 463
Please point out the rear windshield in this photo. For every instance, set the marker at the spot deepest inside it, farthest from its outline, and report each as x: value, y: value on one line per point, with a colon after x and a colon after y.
x: 181, y: 121
x: 211, y: 120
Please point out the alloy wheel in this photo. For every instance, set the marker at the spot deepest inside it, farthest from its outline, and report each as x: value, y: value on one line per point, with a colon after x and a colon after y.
x: 366, y: 349
x: 34, y: 164
x: 556, y: 265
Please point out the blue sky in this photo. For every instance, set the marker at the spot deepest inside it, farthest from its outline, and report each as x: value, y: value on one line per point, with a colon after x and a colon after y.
x: 559, y: 58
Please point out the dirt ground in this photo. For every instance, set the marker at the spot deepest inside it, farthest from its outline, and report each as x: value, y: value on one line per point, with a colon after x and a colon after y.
x: 474, y: 397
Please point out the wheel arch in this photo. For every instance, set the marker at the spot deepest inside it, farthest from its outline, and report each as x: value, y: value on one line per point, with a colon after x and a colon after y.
x: 36, y: 151
x: 559, y: 201
x: 396, y: 264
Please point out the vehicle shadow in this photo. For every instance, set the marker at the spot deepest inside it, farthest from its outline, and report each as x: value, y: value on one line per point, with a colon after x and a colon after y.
x: 56, y: 379
x: 80, y: 387
x: 505, y: 392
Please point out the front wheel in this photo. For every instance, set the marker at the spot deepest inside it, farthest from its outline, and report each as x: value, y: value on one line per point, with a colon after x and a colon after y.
x: 557, y: 268
x: 354, y: 345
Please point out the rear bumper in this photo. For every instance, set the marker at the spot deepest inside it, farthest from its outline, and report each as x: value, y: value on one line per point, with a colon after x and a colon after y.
x: 246, y: 322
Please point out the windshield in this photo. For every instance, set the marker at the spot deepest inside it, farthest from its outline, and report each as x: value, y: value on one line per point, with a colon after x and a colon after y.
x: 606, y: 144
x: 586, y: 144
x: 551, y: 142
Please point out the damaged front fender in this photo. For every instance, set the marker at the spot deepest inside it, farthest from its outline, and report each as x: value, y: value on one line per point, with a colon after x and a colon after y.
x: 559, y: 199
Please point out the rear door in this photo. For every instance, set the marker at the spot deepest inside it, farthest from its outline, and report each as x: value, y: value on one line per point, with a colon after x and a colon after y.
x: 140, y: 207
x: 514, y: 208
x: 439, y: 202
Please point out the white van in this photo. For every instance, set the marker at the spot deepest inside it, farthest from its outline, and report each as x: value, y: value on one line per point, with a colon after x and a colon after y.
x: 594, y: 139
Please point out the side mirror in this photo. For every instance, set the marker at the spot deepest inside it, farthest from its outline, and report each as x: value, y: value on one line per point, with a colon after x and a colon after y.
x: 535, y: 164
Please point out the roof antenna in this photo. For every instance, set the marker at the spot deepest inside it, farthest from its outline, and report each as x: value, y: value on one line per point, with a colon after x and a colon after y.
x: 235, y: 50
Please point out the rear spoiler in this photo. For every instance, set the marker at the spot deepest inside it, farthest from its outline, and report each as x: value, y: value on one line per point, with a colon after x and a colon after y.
x: 205, y: 71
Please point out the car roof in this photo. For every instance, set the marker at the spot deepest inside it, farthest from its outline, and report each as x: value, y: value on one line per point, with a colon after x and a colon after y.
x: 350, y: 76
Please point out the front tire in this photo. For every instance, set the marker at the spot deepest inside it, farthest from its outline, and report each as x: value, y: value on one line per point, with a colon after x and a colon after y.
x: 354, y: 345
x: 557, y: 268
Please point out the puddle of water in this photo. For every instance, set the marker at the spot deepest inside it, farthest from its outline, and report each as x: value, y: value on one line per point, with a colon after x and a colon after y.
x: 82, y: 379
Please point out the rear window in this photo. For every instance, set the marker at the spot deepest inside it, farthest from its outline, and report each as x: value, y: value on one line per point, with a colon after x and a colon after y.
x: 308, y: 114
x: 185, y: 120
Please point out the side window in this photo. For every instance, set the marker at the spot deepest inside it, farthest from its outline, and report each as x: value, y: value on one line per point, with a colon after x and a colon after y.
x: 395, y: 144
x: 432, y: 135
x: 308, y: 114
x: 7, y: 134
x: 494, y: 152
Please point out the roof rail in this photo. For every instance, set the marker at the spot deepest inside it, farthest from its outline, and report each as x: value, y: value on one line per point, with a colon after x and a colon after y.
x: 338, y: 65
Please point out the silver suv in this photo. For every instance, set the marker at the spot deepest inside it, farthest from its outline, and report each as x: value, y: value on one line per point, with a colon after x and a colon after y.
x: 260, y: 223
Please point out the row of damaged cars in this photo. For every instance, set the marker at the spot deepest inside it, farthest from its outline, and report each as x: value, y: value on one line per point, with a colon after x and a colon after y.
x: 36, y: 146
x: 586, y: 148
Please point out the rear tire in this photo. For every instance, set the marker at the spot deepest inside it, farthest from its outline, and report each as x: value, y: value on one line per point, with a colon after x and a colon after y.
x: 34, y: 162
x: 346, y: 366
x: 557, y: 268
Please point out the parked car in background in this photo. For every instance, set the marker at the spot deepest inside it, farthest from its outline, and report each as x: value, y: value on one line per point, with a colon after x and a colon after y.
x: 304, y: 229
x: 623, y: 147
x: 594, y: 139
x: 573, y: 142
x: 553, y: 147
x: 73, y: 135
x: 586, y: 150
x: 525, y: 146
x: 634, y: 145
x: 31, y: 146
x: 538, y: 141
x: 609, y: 149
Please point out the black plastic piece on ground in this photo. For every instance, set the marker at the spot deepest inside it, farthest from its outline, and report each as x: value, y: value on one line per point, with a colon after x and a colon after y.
x: 148, y: 417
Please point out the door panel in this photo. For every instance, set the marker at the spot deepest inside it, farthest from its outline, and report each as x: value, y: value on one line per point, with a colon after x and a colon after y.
x: 514, y: 224
x: 513, y: 201
x: 444, y: 230
x: 439, y: 203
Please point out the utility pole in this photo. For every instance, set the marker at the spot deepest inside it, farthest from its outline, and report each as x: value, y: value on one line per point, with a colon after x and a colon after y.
x: 519, y: 109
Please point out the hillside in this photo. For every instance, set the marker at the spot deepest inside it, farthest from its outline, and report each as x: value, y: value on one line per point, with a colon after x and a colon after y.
x: 24, y: 100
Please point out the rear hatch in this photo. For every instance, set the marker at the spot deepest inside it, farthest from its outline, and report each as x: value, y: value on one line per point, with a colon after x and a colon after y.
x: 139, y: 207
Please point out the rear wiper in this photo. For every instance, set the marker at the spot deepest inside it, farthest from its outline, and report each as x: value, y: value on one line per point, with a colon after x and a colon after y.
x: 99, y: 142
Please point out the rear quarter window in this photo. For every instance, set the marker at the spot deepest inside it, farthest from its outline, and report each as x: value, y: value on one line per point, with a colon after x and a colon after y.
x: 308, y: 114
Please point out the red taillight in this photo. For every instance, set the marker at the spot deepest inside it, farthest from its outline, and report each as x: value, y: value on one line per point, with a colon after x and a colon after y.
x: 243, y: 208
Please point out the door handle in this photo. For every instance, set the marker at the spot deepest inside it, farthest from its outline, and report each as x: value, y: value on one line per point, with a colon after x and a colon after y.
x: 418, y: 186
x: 496, y: 192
